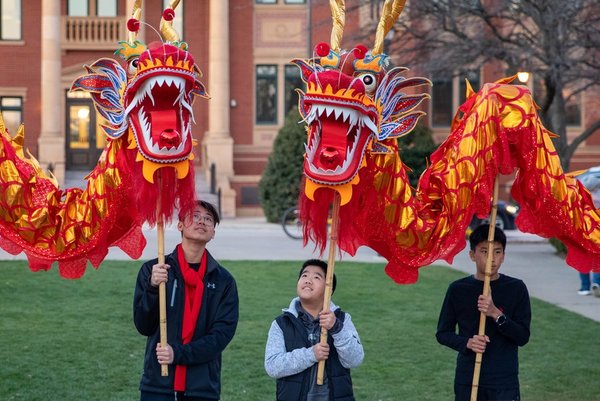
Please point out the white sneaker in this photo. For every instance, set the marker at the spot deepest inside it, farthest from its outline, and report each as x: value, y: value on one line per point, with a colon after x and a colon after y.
x: 596, y: 290
x: 584, y: 292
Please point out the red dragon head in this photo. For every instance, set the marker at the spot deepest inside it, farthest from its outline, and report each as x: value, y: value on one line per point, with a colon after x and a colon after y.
x: 158, y: 100
x: 353, y: 104
x: 149, y: 103
x: 152, y: 98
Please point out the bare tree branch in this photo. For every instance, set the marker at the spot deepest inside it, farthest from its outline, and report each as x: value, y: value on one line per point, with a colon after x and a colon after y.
x: 557, y: 41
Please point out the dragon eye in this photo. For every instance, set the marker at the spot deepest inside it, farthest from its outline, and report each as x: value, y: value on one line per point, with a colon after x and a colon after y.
x: 133, y: 65
x: 369, y: 81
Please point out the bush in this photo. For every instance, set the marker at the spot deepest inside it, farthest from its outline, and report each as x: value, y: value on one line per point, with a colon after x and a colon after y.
x: 415, y: 149
x: 561, y: 249
x: 279, y: 186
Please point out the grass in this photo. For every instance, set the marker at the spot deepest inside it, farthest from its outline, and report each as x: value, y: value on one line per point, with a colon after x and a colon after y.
x: 67, y: 340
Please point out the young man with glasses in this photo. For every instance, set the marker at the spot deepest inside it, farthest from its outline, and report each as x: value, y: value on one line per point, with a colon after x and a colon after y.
x: 202, y: 314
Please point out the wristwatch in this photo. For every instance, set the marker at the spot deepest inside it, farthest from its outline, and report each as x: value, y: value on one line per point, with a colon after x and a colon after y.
x: 501, y: 319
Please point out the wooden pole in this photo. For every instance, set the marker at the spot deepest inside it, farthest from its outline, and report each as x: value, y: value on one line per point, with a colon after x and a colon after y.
x: 162, y: 288
x: 486, y: 289
x: 333, y: 236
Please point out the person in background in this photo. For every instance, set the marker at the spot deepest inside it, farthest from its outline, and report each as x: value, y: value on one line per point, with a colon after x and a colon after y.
x: 590, y: 283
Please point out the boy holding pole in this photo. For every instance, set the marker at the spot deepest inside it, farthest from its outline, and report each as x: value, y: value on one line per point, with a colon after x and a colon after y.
x: 508, y: 314
x: 293, y: 348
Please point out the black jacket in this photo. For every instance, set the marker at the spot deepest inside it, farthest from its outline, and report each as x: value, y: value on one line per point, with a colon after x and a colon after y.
x: 296, y: 387
x: 214, y: 330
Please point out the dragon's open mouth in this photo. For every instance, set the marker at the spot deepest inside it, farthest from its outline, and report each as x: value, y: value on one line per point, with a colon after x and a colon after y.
x: 337, y: 140
x: 161, y: 115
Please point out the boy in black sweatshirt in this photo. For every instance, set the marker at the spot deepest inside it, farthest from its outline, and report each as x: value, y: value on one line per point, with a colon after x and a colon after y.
x: 508, y: 314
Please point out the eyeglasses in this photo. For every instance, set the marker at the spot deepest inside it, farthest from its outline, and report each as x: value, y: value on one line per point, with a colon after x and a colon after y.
x: 205, y: 218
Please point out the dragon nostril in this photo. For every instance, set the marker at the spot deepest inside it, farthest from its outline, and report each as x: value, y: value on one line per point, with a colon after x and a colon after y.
x: 169, y: 137
x: 330, y: 157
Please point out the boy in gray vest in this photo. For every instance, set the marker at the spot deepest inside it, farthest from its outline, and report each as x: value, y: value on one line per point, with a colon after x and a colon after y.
x: 293, y: 348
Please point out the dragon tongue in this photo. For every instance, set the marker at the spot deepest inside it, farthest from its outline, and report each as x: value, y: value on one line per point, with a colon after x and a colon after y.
x: 332, y: 150
x: 164, y: 128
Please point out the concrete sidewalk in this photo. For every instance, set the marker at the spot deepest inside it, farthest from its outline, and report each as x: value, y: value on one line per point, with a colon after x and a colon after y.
x: 528, y: 257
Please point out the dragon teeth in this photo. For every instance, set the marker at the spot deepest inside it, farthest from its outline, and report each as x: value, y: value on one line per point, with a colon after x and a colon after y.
x: 346, y: 114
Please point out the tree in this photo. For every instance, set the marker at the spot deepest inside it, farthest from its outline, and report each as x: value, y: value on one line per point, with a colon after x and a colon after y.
x: 279, y: 186
x: 556, y: 40
x: 415, y: 149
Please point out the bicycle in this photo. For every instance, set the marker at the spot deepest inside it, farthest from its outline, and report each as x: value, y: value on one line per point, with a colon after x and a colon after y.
x: 291, y: 223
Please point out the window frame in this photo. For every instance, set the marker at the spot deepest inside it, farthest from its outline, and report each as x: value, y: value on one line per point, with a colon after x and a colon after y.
x: 116, y: 3
x: 87, y: 13
x: 19, y: 109
x: 457, y: 90
x: 20, y: 18
x: 274, y: 78
x: 288, y: 88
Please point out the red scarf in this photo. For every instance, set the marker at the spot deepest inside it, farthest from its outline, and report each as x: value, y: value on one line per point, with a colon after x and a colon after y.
x: 194, y: 288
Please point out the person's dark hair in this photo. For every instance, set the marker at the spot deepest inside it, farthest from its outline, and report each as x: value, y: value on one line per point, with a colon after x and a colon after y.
x: 322, y: 265
x: 210, y: 208
x: 480, y: 234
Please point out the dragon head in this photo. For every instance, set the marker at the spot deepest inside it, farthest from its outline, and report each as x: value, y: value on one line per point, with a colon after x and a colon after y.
x: 151, y: 98
x: 162, y: 82
x: 352, y: 104
x: 146, y: 106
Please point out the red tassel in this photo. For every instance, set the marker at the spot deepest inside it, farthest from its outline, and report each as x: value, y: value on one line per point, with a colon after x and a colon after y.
x: 322, y: 49
x: 168, y: 14
x: 133, y: 25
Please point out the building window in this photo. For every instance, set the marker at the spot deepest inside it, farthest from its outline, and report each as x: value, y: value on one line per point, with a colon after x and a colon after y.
x: 292, y: 82
x: 11, y: 19
x: 106, y: 8
x: 249, y: 196
x: 284, y: 1
x: 78, y: 8
x: 12, y: 112
x: 91, y: 8
x: 448, y: 93
x: 573, y: 110
x: 441, y: 102
x: 572, y: 102
x: 266, y: 94
x: 178, y: 20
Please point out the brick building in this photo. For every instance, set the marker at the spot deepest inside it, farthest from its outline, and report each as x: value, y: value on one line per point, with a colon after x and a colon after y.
x: 243, y: 47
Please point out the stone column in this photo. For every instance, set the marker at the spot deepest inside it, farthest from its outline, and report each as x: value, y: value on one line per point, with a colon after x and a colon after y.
x: 51, y: 143
x: 218, y: 144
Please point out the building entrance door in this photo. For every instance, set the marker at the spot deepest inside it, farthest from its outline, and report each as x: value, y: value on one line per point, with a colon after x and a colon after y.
x: 85, y: 139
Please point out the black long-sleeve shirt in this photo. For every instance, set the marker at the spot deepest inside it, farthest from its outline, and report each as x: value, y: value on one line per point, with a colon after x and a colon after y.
x: 500, y: 363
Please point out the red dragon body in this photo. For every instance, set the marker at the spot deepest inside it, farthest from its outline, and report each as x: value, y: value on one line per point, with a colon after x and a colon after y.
x: 356, y: 106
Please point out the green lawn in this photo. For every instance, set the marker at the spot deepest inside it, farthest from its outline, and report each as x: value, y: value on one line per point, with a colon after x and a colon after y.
x: 74, y: 340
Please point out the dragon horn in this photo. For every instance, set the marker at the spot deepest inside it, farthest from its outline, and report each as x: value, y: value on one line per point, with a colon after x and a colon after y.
x: 338, y: 15
x: 136, y: 14
x: 390, y: 13
x: 169, y: 33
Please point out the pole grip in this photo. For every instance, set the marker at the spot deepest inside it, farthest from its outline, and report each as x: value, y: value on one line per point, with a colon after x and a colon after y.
x: 333, y: 235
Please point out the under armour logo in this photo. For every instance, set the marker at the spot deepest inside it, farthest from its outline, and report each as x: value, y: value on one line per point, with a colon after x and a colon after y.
x: 211, y: 285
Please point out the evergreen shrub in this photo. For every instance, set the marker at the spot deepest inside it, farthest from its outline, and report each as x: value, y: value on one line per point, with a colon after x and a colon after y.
x: 279, y: 186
